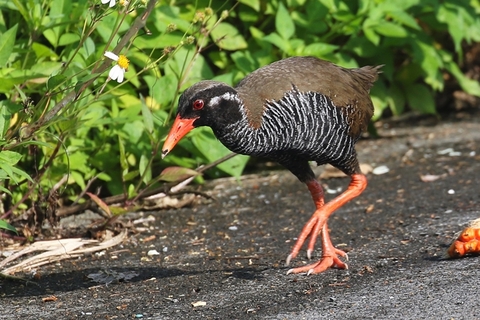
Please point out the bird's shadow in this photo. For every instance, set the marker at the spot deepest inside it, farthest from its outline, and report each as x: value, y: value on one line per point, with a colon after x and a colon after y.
x: 81, y: 279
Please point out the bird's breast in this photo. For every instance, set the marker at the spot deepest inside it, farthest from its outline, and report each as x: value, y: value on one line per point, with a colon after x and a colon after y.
x: 307, y: 124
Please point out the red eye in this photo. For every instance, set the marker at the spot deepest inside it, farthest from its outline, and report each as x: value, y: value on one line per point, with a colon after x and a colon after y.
x: 198, y: 104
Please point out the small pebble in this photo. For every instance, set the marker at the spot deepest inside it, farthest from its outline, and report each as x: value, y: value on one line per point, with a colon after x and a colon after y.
x: 153, y: 253
x: 233, y: 228
x: 451, y: 191
x: 380, y: 170
x: 199, y: 304
x: 445, y: 151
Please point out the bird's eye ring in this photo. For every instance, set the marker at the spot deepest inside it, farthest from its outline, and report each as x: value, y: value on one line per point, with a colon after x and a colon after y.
x: 198, y: 104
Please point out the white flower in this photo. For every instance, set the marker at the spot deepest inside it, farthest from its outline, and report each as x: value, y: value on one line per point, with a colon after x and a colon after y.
x: 112, y: 2
x: 118, y: 70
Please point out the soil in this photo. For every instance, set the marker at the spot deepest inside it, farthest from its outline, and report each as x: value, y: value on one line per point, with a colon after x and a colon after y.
x: 224, y: 258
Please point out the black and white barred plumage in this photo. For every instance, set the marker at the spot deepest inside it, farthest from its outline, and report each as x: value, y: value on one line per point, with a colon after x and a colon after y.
x: 275, y: 115
x: 299, y: 127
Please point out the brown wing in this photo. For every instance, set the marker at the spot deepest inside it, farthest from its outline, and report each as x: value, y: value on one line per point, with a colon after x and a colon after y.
x: 347, y: 88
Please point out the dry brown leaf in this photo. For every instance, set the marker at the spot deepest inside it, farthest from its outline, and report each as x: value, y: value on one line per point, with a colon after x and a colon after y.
x: 174, y: 174
x: 100, y: 203
x: 50, y: 299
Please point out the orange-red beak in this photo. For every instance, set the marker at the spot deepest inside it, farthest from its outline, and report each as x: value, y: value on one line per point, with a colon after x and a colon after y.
x: 179, y: 129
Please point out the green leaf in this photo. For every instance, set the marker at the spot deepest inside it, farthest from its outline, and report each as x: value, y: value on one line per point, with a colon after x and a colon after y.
x: 431, y: 63
x: 147, y: 115
x: 131, y: 175
x: 54, y: 81
x: 284, y: 23
x: 68, y: 38
x: 455, y: 22
x: 227, y: 37
x: 145, y: 169
x: 278, y: 41
x: 254, y: 4
x: 78, y: 177
x: 22, y: 174
x: 379, y: 98
x: 5, y: 117
x: 5, y: 190
x: 10, y: 157
x: 123, y: 157
x: 46, y: 68
x: 244, y: 61
x: 362, y: 47
x: 391, y: 29
x: 319, y: 49
x: 42, y: 51
x: 6, y: 226
x: 368, y: 28
x: 162, y: 89
x: 420, y: 98
x: 51, y: 36
x: 7, y: 41
x: 405, y: 19
x: 7, y: 110
x: 103, y: 176
x: 88, y: 47
x: 469, y: 85
x: 396, y: 99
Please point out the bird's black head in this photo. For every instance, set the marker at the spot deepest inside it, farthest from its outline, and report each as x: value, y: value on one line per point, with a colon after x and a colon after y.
x: 209, y: 103
x: 206, y: 103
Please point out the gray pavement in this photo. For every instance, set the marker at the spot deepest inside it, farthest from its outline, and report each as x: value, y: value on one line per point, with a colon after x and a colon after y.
x: 228, y: 254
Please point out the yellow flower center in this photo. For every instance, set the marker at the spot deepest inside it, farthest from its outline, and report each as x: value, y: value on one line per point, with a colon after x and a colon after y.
x: 123, y: 62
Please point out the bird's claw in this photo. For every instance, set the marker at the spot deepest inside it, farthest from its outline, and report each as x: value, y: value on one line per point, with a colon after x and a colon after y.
x: 287, y: 262
x: 309, y: 254
x: 327, y: 261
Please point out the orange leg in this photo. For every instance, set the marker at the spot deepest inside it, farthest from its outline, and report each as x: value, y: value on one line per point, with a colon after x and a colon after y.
x: 318, y: 223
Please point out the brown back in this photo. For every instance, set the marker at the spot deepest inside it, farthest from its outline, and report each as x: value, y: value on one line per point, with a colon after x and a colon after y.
x: 347, y: 88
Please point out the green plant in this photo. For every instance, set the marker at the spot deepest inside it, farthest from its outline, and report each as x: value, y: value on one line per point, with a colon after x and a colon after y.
x: 417, y: 41
x: 67, y: 128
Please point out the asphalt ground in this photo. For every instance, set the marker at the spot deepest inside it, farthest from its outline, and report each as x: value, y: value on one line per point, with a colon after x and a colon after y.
x: 224, y: 258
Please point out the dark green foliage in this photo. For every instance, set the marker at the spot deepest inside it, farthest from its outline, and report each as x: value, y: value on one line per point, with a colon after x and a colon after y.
x: 109, y: 134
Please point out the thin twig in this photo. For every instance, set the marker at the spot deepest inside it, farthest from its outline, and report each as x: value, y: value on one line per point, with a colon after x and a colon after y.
x: 58, y: 185
x: 80, y: 196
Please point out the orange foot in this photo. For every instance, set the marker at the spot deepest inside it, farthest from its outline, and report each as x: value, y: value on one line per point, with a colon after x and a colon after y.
x: 329, y: 259
x: 318, y: 224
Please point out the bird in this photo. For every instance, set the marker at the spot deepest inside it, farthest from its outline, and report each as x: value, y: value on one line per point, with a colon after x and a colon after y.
x: 293, y: 111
